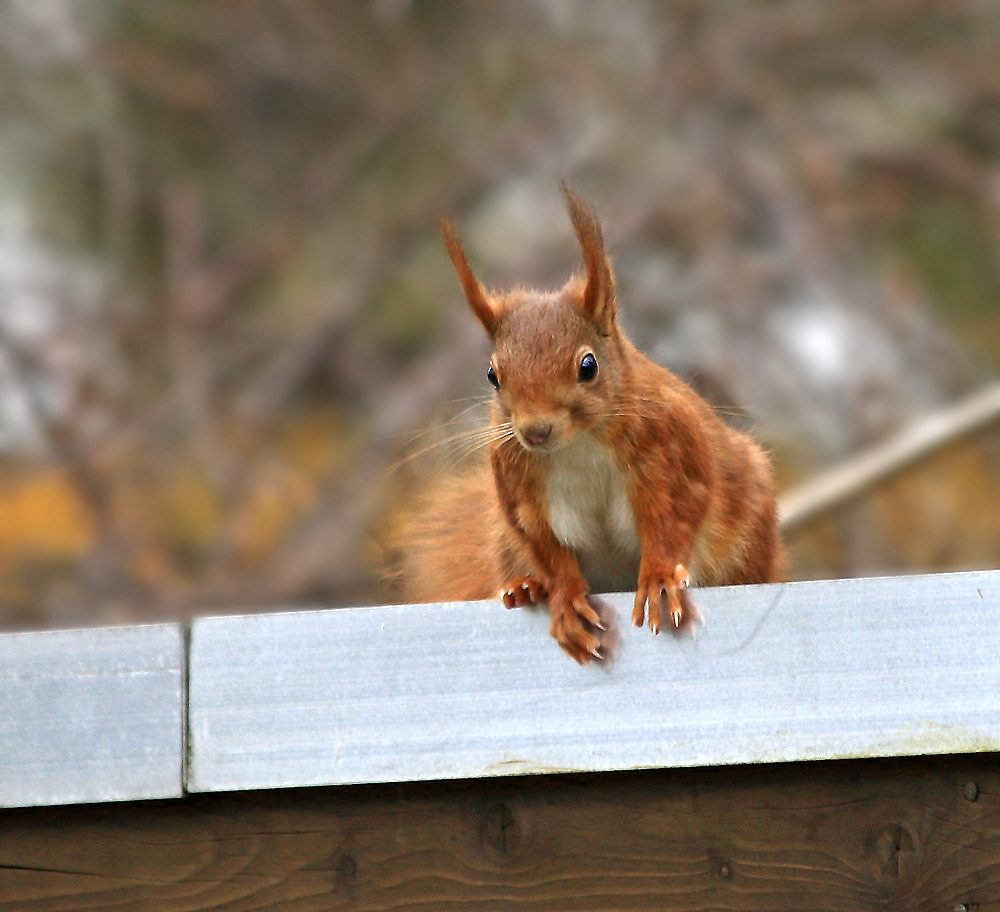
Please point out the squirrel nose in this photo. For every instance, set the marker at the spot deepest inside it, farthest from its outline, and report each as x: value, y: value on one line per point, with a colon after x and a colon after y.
x: 537, y: 433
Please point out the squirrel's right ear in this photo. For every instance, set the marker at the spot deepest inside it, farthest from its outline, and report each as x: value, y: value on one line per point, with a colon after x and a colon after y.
x: 599, y: 297
x: 475, y: 294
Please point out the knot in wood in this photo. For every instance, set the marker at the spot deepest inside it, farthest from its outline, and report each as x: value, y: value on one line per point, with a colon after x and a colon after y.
x: 894, y: 854
x: 345, y: 875
x: 500, y: 832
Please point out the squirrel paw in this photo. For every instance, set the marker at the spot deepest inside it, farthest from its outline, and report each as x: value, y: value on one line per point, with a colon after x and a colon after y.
x: 521, y: 591
x: 651, y: 588
x: 572, y: 621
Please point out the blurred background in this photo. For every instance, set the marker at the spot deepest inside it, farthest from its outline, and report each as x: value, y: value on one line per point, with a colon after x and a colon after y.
x: 232, y: 345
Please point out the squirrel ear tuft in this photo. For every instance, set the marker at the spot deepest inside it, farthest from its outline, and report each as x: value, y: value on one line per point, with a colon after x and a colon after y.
x: 599, y: 305
x: 475, y: 294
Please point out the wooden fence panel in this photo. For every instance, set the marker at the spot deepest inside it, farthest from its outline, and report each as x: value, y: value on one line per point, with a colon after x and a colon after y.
x: 912, y: 835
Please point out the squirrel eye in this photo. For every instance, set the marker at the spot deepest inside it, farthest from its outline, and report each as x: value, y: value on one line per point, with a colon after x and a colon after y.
x: 491, y: 375
x: 588, y: 368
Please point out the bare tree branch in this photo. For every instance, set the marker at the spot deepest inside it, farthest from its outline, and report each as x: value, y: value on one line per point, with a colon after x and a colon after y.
x: 848, y: 480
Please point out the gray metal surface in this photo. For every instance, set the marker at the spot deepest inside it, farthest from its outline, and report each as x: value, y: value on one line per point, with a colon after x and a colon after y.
x: 799, y: 671
x: 91, y: 715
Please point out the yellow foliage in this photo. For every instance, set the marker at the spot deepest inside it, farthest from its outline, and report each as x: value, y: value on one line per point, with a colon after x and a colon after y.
x: 187, y: 510
x: 288, y: 485
x: 277, y: 498
x: 43, y: 517
x: 312, y: 443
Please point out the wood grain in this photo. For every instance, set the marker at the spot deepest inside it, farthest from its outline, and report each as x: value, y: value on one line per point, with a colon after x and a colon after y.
x: 846, y: 835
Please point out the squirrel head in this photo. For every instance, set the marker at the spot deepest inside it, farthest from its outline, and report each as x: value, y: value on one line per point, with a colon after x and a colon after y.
x: 557, y: 356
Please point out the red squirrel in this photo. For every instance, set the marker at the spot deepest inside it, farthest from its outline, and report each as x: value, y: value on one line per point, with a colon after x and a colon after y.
x: 606, y: 472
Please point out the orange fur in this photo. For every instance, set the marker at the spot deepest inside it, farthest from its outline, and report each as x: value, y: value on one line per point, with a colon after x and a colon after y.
x: 625, y: 477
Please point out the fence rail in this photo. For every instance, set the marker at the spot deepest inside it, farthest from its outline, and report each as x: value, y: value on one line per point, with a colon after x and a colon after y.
x: 797, y: 671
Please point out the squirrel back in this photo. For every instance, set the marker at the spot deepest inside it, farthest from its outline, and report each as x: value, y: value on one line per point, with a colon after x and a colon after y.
x: 605, y: 470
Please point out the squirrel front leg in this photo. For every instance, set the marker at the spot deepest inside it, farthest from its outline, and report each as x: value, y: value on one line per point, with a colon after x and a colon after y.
x: 568, y: 605
x: 555, y: 576
x: 655, y: 581
x: 666, y: 536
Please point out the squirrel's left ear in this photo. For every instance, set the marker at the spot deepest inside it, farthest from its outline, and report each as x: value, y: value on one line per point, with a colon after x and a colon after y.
x: 475, y: 294
x: 599, y: 305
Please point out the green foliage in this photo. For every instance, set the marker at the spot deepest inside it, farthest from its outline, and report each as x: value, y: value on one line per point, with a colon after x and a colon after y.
x: 953, y: 249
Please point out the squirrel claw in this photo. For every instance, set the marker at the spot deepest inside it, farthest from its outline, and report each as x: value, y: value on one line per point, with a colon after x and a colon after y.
x: 679, y: 606
x: 521, y: 591
x: 571, y: 619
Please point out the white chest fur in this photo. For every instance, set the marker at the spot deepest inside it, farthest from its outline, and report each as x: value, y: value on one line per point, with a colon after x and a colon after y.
x: 589, y: 511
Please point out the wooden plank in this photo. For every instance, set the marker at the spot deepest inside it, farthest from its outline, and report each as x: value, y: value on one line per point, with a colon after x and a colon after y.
x: 849, y: 836
x: 799, y: 671
x: 91, y: 715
